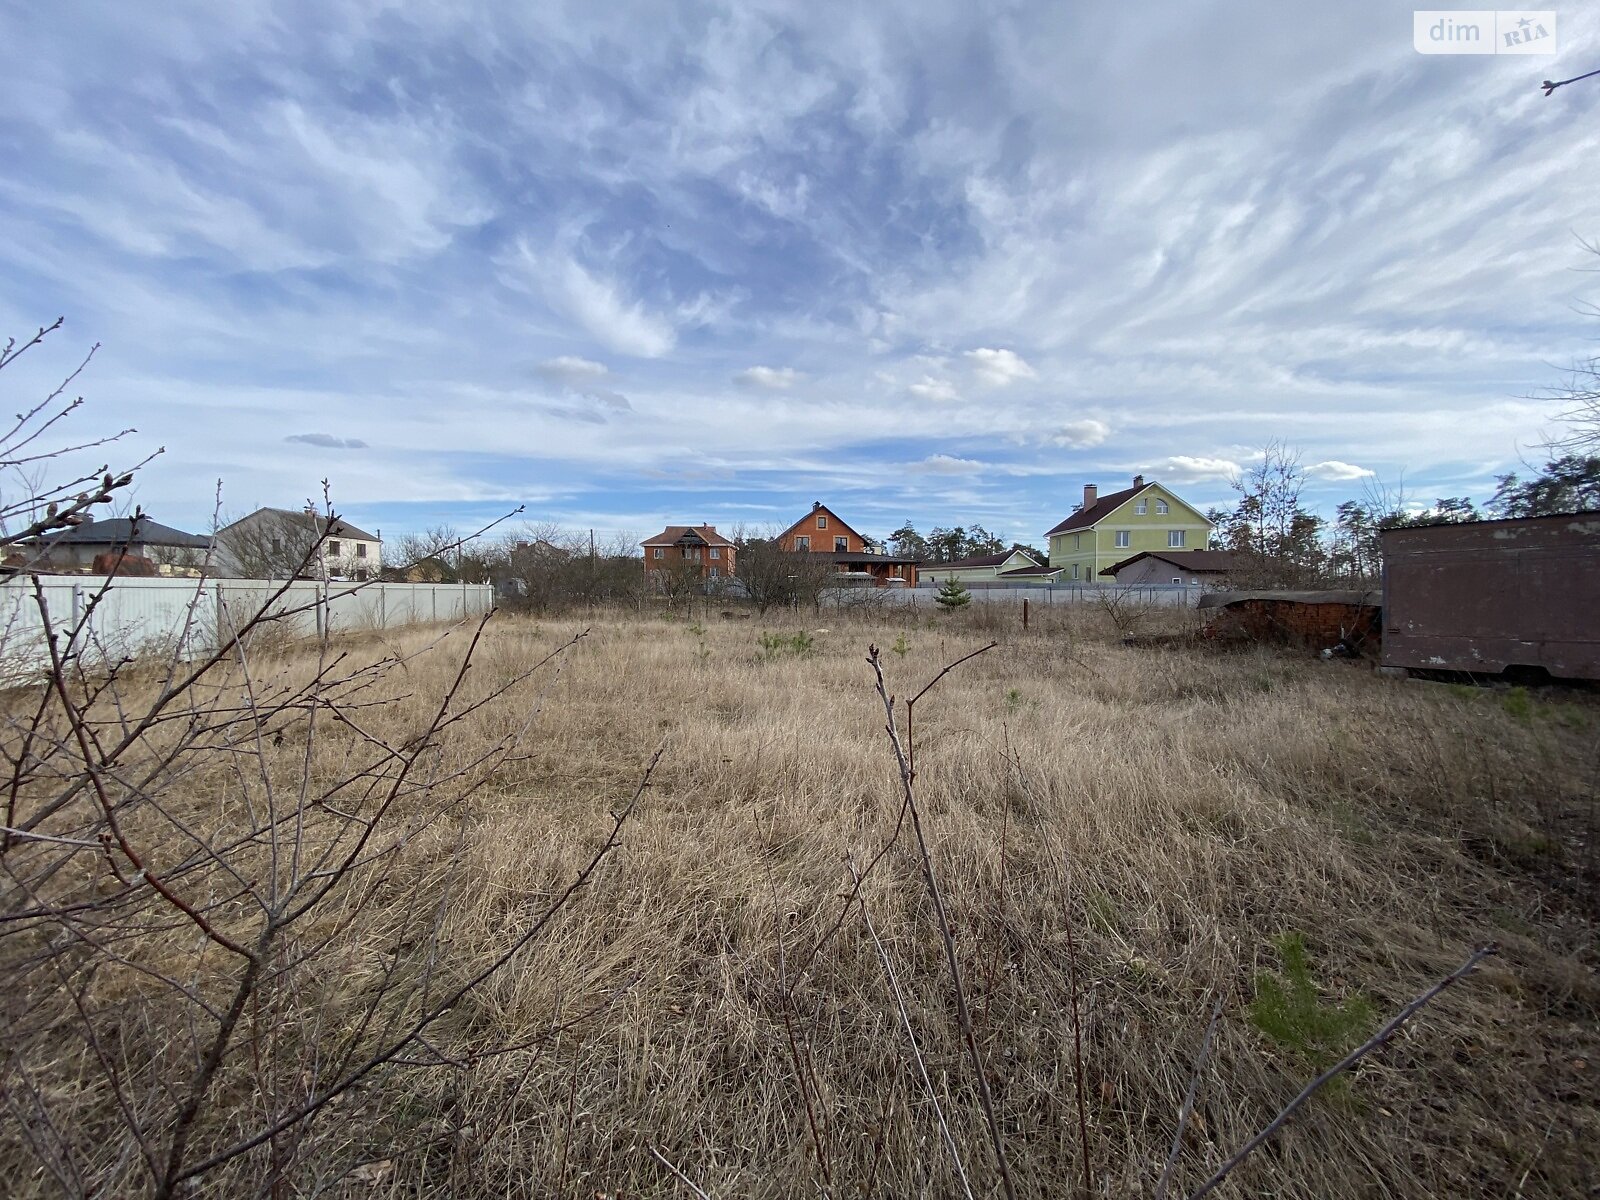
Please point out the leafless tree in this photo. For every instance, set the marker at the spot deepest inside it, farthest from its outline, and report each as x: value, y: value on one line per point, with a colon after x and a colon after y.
x: 1126, y: 608
x: 183, y: 878
x: 40, y: 493
x: 774, y: 577
x: 1269, y: 497
x: 1579, y: 395
x: 272, y: 544
x: 439, y: 546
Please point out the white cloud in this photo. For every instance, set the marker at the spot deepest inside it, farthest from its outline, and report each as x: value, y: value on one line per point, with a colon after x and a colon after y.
x: 930, y: 388
x: 327, y: 441
x: 571, y: 370
x: 1339, y: 472
x: 948, y: 464
x: 610, y: 318
x: 999, y: 367
x: 821, y: 189
x: 1081, y: 434
x: 777, y: 379
x: 597, y: 304
x: 615, y: 401
x: 1184, y: 468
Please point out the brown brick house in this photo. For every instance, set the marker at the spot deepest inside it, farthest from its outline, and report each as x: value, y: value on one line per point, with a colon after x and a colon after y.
x: 698, y: 544
x: 821, y: 531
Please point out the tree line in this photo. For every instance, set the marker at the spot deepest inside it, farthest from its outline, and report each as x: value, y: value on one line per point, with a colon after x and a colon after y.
x: 1278, y: 542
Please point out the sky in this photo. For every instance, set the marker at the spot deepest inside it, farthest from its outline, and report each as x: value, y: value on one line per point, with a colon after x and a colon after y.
x: 631, y: 265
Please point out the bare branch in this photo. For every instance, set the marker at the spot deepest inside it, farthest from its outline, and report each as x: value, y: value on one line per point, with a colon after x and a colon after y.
x: 946, y: 932
x: 1188, y: 1101
x: 1344, y: 1064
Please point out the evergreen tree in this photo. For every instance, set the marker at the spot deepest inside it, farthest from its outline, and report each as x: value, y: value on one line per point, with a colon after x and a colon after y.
x: 953, y: 595
x: 906, y: 542
x: 1567, y: 484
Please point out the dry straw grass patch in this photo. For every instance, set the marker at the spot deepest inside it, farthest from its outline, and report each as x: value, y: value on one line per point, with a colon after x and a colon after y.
x: 1146, y: 824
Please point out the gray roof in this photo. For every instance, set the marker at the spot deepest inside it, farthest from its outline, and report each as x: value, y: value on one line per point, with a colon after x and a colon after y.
x: 1337, y: 596
x: 121, y: 531
x: 1201, y: 562
x: 341, y: 527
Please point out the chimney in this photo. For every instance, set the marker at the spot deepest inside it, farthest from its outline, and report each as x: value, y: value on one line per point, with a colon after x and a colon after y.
x: 816, y: 504
x: 1138, y: 481
x: 1090, y: 493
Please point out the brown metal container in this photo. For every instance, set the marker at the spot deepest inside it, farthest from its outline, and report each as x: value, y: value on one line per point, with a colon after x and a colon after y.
x: 1486, y: 596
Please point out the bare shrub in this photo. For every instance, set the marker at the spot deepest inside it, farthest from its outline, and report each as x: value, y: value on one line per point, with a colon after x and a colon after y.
x: 235, y: 938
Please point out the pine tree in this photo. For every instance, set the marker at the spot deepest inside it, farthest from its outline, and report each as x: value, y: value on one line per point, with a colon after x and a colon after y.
x: 952, y: 594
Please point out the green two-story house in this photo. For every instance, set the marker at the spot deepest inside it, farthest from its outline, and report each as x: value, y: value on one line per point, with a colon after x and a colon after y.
x: 1108, y: 529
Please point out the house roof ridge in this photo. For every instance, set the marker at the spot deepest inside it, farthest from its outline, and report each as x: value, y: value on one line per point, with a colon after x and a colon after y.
x: 1103, y: 507
x: 983, y: 560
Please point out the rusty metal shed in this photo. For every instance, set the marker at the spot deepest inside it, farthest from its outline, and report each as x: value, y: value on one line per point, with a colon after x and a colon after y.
x: 1486, y: 596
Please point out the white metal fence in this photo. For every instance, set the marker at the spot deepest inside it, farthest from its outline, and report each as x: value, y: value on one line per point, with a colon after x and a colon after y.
x: 136, y: 614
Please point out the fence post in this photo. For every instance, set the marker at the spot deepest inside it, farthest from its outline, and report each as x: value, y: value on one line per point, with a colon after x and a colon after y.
x: 1024, y: 614
x: 77, y: 615
x: 383, y: 606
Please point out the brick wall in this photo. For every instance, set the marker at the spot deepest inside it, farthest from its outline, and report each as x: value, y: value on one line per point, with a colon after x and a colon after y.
x: 1312, y: 626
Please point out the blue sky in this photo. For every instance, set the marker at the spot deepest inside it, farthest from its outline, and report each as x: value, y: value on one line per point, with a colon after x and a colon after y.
x: 638, y: 264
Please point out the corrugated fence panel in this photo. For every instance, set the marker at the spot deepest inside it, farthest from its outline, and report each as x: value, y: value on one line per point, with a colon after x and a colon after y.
x: 128, y: 615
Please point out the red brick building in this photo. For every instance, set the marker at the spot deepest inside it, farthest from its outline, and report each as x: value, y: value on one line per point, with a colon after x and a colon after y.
x: 821, y: 531
x: 701, y: 545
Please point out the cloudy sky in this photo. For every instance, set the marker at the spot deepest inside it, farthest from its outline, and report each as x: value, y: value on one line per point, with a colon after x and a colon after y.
x: 632, y: 264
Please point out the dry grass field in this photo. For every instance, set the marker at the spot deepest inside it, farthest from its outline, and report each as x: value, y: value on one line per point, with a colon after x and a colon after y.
x: 1123, y: 837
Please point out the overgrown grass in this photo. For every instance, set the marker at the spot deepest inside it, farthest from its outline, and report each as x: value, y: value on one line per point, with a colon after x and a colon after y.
x: 1178, y: 809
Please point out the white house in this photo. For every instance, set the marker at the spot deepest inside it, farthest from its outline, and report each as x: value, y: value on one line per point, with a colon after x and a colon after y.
x: 276, y: 542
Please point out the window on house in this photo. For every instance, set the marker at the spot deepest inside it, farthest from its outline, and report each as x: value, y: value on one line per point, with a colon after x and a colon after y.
x: 361, y: 575
x: 715, y: 571
x: 694, y: 553
x: 1074, y: 570
x: 841, y: 545
x: 1177, y: 579
x: 822, y: 522
x: 802, y: 542
x: 660, y: 552
x: 1077, y: 541
x: 1174, y: 539
x: 361, y: 549
x: 1141, y: 508
x: 716, y: 552
x: 333, y: 549
x: 1161, y: 506
x: 1122, y: 539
